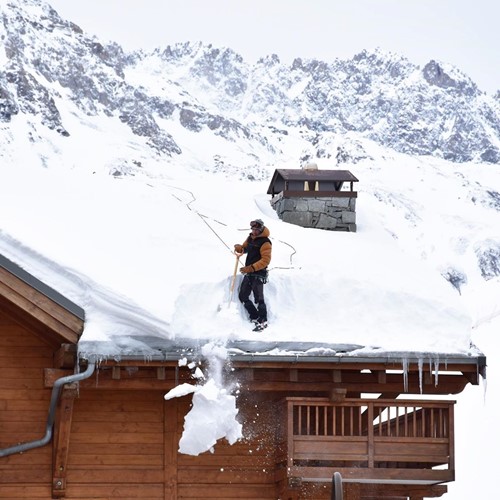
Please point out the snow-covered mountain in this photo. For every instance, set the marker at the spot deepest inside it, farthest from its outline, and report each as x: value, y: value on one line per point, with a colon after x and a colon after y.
x: 195, y: 104
x: 69, y: 101
x: 168, y: 97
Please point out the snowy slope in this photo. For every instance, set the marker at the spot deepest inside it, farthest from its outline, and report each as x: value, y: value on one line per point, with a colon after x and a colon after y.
x: 152, y: 255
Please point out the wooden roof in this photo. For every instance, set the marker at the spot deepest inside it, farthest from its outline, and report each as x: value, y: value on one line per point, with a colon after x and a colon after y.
x: 39, y: 307
x: 299, y: 174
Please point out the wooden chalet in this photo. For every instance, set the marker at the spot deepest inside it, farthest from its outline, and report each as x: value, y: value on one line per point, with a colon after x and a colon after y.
x: 73, y: 428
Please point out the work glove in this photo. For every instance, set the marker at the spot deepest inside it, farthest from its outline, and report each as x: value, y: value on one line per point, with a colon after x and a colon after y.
x: 238, y: 248
x: 246, y: 269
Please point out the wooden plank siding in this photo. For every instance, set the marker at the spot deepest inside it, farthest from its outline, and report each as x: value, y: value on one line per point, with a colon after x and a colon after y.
x: 244, y: 470
x: 131, y: 438
x: 116, y: 445
x: 24, y: 403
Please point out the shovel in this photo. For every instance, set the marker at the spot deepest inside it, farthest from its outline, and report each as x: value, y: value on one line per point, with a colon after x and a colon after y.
x: 233, y: 281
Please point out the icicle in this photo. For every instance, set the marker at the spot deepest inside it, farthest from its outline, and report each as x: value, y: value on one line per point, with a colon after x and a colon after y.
x: 484, y: 382
x: 405, y: 374
x: 436, y: 371
x: 420, y: 374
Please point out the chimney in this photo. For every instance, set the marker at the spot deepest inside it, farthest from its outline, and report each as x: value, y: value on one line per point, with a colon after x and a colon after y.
x: 310, y: 166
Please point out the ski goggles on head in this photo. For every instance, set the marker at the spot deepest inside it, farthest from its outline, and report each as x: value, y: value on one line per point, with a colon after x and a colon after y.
x: 256, y: 224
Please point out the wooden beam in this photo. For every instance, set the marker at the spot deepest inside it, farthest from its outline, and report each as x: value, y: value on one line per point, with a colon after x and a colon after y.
x: 50, y: 375
x: 36, y: 304
x: 450, y: 386
x: 473, y: 378
x: 381, y: 376
x: 135, y: 363
x: 379, y: 491
x: 36, y: 320
x: 62, y: 432
x: 354, y: 383
x: 171, y: 444
x: 30, y: 323
x: 65, y: 356
x: 319, y: 194
x: 146, y: 378
x: 337, y: 394
x: 389, y: 395
x: 341, y: 368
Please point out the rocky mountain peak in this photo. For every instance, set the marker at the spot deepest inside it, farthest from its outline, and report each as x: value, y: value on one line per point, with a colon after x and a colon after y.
x: 377, y: 96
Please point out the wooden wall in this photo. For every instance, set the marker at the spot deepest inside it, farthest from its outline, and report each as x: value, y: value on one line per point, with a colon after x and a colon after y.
x: 124, y: 445
x: 24, y: 404
x: 241, y: 471
x: 117, y: 446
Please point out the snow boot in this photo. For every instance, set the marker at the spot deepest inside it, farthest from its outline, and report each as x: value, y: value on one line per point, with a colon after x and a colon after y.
x: 259, y: 326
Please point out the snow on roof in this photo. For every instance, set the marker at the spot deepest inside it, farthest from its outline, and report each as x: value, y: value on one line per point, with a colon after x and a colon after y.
x: 152, y: 258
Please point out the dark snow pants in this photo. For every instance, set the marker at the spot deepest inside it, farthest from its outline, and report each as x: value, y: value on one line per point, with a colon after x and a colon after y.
x: 253, y: 284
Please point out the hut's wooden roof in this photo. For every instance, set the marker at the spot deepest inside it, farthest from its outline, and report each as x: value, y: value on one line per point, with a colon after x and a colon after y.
x: 299, y: 174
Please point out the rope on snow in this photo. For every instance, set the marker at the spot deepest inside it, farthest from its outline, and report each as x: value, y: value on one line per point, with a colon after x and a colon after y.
x: 205, y: 217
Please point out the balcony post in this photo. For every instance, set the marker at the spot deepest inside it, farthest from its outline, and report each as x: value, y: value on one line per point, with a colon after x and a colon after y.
x: 371, y: 452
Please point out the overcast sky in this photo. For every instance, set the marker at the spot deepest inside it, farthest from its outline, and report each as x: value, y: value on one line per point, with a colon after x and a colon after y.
x: 461, y: 32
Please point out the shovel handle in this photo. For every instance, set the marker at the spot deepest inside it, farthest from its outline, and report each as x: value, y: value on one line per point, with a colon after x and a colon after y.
x: 233, y: 281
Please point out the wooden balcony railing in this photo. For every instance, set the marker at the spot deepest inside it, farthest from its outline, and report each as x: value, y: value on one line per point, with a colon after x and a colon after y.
x: 368, y: 440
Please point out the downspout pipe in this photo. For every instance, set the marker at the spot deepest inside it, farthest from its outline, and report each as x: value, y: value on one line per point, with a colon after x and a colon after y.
x: 56, y: 390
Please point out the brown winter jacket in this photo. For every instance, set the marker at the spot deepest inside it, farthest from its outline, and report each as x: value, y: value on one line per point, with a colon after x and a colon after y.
x: 265, y: 250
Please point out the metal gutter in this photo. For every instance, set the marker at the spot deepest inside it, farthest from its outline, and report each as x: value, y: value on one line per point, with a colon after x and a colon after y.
x: 400, y: 358
x: 249, y: 351
x: 386, y: 360
x: 52, y: 411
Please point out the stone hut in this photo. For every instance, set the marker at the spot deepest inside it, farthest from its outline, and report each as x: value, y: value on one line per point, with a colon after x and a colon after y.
x: 309, y: 197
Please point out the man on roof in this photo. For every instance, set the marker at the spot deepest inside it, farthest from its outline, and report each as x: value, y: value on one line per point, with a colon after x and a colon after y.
x: 258, y: 248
